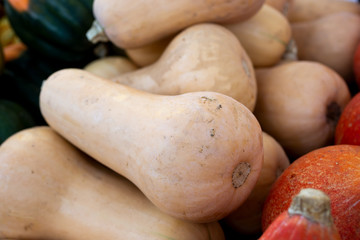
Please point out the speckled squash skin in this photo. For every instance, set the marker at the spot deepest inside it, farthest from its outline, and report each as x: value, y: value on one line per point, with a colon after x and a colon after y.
x: 333, y: 169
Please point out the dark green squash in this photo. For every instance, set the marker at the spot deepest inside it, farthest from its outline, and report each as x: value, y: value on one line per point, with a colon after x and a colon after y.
x: 22, y: 79
x: 13, y: 118
x: 54, y: 28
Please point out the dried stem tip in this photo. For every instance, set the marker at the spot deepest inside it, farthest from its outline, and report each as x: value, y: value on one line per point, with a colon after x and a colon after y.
x: 312, y: 204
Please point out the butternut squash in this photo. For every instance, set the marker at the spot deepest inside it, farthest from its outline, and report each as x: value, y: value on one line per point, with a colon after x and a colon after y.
x: 203, y: 57
x: 110, y: 66
x: 330, y: 40
x: 51, y: 190
x: 307, y: 10
x: 264, y: 36
x: 196, y: 156
x: 132, y: 24
x: 299, y: 103
x: 246, y: 219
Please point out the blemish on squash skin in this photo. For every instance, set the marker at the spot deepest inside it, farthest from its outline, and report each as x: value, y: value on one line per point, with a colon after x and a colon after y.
x: 203, y: 148
x: 28, y: 226
x: 212, y: 132
x: 240, y: 174
x: 91, y: 101
x: 207, y: 99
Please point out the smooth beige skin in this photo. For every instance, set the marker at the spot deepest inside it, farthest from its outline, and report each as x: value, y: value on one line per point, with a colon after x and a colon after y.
x: 293, y: 104
x: 264, y: 36
x: 133, y: 24
x: 282, y: 6
x: 51, y: 190
x: 247, y: 218
x: 263, y: 40
x: 307, y: 10
x: 330, y: 40
x: 110, y: 66
x: 204, y: 57
x: 182, y: 151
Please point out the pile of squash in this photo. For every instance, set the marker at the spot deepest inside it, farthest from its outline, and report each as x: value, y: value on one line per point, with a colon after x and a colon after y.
x: 178, y: 120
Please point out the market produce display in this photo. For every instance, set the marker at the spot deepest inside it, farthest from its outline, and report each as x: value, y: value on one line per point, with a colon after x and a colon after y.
x: 183, y: 120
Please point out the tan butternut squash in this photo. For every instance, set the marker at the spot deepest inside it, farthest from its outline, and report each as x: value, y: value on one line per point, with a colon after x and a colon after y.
x: 51, y: 190
x: 264, y: 36
x: 132, y: 24
x: 282, y: 6
x: 203, y: 57
x: 110, y: 66
x: 196, y: 156
x: 330, y: 40
x: 307, y: 10
x: 299, y: 103
x: 247, y: 218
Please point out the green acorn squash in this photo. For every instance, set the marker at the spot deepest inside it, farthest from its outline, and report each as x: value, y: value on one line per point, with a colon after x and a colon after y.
x: 55, y: 29
x: 22, y: 78
x: 13, y: 118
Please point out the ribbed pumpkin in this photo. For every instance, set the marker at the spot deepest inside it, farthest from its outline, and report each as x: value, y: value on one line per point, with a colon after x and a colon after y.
x: 55, y: 29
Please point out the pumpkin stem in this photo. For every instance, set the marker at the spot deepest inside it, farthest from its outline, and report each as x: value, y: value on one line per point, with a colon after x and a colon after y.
x: 312, y: 204
x: 96, y: 33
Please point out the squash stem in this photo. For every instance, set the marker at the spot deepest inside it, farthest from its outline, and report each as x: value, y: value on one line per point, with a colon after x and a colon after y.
x: 96, y: 33
x: 312, y: 204
x: 291, y: 51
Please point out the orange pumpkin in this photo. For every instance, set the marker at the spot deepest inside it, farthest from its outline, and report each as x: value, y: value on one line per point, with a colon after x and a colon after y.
x: 334, y: 170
